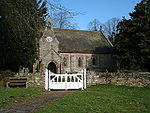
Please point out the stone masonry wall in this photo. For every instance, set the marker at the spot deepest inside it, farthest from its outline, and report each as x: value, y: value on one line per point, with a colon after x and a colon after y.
x: 94, y: 78
x: 128, y: 79
x: 103, y: 62
x: 33, y: 79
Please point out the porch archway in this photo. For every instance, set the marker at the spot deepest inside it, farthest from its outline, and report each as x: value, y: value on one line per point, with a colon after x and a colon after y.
x: 52, y: 67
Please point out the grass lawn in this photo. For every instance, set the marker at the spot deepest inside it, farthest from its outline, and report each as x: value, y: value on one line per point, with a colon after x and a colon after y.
x: 103, y: 99
x: 11, y: 95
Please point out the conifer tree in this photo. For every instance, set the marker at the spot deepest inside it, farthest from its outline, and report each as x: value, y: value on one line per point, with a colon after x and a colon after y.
x: 132, y: 44
x: 20, y: 23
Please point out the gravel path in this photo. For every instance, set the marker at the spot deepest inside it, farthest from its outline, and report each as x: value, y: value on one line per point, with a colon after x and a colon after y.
x: 31, y: 106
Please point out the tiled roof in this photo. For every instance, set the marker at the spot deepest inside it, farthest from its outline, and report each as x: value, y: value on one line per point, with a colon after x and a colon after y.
x: 79, y: 41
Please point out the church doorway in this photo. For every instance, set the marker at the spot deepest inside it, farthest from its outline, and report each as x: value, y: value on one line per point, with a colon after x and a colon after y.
x: 52, y: 67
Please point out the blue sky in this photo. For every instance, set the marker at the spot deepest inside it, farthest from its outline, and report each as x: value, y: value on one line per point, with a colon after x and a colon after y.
x: 99, y: 9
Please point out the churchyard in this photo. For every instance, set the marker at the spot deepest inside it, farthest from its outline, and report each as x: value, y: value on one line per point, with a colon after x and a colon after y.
x: 95, y: 99
x: 9, y: 96
x: 103, y: 68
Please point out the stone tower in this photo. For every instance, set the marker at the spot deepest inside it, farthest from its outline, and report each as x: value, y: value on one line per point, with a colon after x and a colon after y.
x: 49, y: 47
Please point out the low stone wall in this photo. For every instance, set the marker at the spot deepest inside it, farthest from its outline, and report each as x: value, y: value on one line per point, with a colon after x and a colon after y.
x: 94, y: 78
x: 34, y: 79
x: 128, y: 79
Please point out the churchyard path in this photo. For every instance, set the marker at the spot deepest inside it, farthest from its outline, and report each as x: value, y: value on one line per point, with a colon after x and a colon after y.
x: 32, y: 105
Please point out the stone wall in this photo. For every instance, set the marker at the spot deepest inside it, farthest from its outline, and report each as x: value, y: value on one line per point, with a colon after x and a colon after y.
x: 128, y: 79
x: 103, y: 62
x: 93, y: 78
x: 33, y: 79
x: 140, y: 79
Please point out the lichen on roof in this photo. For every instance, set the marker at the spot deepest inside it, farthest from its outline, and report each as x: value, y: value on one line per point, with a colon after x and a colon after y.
x: 79, y: 41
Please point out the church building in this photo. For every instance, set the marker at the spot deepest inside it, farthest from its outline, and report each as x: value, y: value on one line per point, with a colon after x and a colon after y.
x: 69, y: 51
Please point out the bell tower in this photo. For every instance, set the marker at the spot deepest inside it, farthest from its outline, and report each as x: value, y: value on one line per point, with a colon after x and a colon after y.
x: 49, y: 23
x: 49, y: 47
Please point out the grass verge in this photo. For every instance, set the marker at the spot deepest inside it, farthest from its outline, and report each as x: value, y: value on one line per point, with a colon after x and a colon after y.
x: 10, y: 96
x: 103, y: 99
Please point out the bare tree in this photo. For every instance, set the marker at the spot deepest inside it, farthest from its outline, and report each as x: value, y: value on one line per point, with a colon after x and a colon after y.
x: 62, y: 17
x: 94, y: 25
x: 64, y: 20
x: 110, y: 28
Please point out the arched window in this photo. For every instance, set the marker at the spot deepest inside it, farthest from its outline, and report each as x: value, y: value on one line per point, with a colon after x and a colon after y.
x: 64, y: 61
x: 79, y: 62
x: 94, y: 61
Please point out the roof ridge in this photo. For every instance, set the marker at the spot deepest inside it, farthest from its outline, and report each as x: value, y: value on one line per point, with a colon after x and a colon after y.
x: 55, y: 29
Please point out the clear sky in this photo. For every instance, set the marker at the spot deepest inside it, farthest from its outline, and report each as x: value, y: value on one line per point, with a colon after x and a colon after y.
x: 99, y: 9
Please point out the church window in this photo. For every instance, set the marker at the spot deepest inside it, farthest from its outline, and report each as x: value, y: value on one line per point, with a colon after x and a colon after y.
x: 64, y: 61
x: 79, y: 62
x: 94, y: 61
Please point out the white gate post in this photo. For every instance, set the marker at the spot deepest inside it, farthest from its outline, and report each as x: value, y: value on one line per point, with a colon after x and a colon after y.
x: 84, y: 79
x: 49, y: 79
x: 66, y: 85
x: 46, y: 79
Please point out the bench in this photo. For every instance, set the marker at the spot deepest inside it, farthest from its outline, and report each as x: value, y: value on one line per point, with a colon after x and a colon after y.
x: 16, y: 82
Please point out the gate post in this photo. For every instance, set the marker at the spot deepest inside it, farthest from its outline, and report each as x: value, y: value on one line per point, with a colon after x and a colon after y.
x: 46, y: 79
x: 84, y: 79
x: 49, y: 79
x: 66, y: 85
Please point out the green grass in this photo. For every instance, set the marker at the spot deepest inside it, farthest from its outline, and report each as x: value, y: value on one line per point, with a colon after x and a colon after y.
x: 103, y: 99
x: 11, y: 95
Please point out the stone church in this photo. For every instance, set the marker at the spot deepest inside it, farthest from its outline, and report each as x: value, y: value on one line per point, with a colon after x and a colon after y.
x: 69, y: 51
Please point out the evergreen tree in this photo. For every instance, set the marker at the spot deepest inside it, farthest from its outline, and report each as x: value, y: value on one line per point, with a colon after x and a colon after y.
x: 20, y: 23
x: 132, y: 43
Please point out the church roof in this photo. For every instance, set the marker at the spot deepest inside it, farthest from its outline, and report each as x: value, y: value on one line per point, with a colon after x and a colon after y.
x: 79, y: 41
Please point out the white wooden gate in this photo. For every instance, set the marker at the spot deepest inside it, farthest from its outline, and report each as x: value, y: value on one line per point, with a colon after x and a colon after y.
x: 65, y: 81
